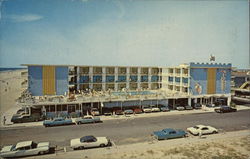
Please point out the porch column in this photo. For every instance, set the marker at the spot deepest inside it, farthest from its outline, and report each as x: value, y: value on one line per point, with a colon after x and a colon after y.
x: 229, y: 100
x: 189, y: 101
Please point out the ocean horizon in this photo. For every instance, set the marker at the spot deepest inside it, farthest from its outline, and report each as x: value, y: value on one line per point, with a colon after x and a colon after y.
x: 3, y: 69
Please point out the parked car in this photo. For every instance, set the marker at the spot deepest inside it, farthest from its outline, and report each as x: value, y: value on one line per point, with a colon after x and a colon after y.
x: 210, y: 105
x: 57, y: 122
x: 25, y: 148
x: 164, y: 109
x: 22, y: 118
x: 155, y: 109
x: 138, y: 111
x: 88, y: 142
x: 197, y: 106
x: 195, y: 130
x: 225, y: 109
x: 169, y: 133
x: 188, y: 107
x: 108, y: 113
x: 128, y: 111
x: 119, y: 112
x: 180, y: 108
x: 86, y: 119
x: 95, y: 112
x: 147, y: 109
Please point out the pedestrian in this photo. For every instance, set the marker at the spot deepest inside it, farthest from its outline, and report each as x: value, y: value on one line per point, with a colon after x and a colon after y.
x: 4, y: 120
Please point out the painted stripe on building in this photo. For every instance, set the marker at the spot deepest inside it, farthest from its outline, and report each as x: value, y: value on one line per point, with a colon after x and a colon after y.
x: 49, y: 80
x: 211, y: 81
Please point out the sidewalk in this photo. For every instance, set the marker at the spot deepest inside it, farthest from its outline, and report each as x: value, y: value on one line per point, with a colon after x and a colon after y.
x: 132, y: 116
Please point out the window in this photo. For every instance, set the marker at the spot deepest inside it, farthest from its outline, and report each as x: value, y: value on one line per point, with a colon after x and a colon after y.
x: 110, y: 78
x: 205, y: 128
x: 172, y: 132
x: 133, y: 78
x: 144, y: 78
x: 121, y: 78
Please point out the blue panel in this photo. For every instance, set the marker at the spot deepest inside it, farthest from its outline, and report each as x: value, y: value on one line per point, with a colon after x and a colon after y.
x: 84, y: 79
x: 223, y: 80
x: 154, y: 78
x: 97, y: 79
x: 121, y: 78
x: 110, y: 78
x: 198, y: 82
x: 144, y: 78
x: 35, y: 76
x: 61, y: 80
x: 133, y: 78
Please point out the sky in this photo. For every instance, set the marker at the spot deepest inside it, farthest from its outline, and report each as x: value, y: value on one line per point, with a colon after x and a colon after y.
x: 123, y: 32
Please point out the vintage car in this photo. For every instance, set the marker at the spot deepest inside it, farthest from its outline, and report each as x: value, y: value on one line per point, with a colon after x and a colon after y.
x: 88, y: 142
x: 188, y: 107
x: 197, y: 106
x: 225, y: 109
x: 57, y: 122
x: 195, y: 130
x: 164, y: 109
x: 180, y: 108
x: 128, y: 111
x: 22, y: 118
x: 86, y: 119
x: 147, y: 109
x: 155, y: 109
x: 169, y: 133
x: 119, y: 112
x: 95, y: 112
x: 25, y: 148
x: 138, y: 111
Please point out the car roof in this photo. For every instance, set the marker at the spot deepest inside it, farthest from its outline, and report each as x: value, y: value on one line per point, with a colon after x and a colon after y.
x: 168, y: 129
x: 200, y: 125
x: 23, y: 144
x: 87, y: 137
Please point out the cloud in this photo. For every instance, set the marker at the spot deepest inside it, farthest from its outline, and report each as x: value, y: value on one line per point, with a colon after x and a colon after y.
x: 25, y: 17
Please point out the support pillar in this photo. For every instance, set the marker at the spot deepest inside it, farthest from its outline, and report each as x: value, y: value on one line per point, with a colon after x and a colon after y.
x: 189, y: 101
x: 229, y: 100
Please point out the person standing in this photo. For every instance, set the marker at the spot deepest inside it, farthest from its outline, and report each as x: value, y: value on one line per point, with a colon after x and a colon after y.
x: 4, y: 120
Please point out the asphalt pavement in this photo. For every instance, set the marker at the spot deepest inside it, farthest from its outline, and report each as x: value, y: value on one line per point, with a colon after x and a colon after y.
x: 128, y: 130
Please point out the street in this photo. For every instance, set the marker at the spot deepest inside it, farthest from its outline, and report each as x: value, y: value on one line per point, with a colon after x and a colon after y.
x: 127, y: 131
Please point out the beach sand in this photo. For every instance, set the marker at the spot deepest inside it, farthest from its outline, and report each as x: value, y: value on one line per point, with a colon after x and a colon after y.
x: 10, y: 90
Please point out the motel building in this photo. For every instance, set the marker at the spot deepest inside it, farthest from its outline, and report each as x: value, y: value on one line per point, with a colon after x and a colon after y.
x: 60, y: 90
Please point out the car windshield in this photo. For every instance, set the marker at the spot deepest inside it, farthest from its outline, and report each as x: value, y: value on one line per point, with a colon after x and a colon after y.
x: 196, y: 127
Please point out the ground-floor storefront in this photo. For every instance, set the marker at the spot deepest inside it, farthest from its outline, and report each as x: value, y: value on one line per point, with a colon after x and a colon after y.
x: 74, y: 109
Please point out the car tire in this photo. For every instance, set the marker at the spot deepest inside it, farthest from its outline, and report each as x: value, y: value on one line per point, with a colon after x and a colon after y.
x: 81, y: 148
x: 78, y: 123
x: 41, y: 153
x: 102, y: 145
x: 214, y: 132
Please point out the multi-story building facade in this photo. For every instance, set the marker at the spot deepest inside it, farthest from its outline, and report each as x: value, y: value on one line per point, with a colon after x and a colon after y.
x: 122, y: 86
x: 58, y: 80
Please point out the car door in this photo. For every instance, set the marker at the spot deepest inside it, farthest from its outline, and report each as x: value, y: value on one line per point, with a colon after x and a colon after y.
x: 88, y: 120
x: 91, y: 143
x: 172, y: 134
